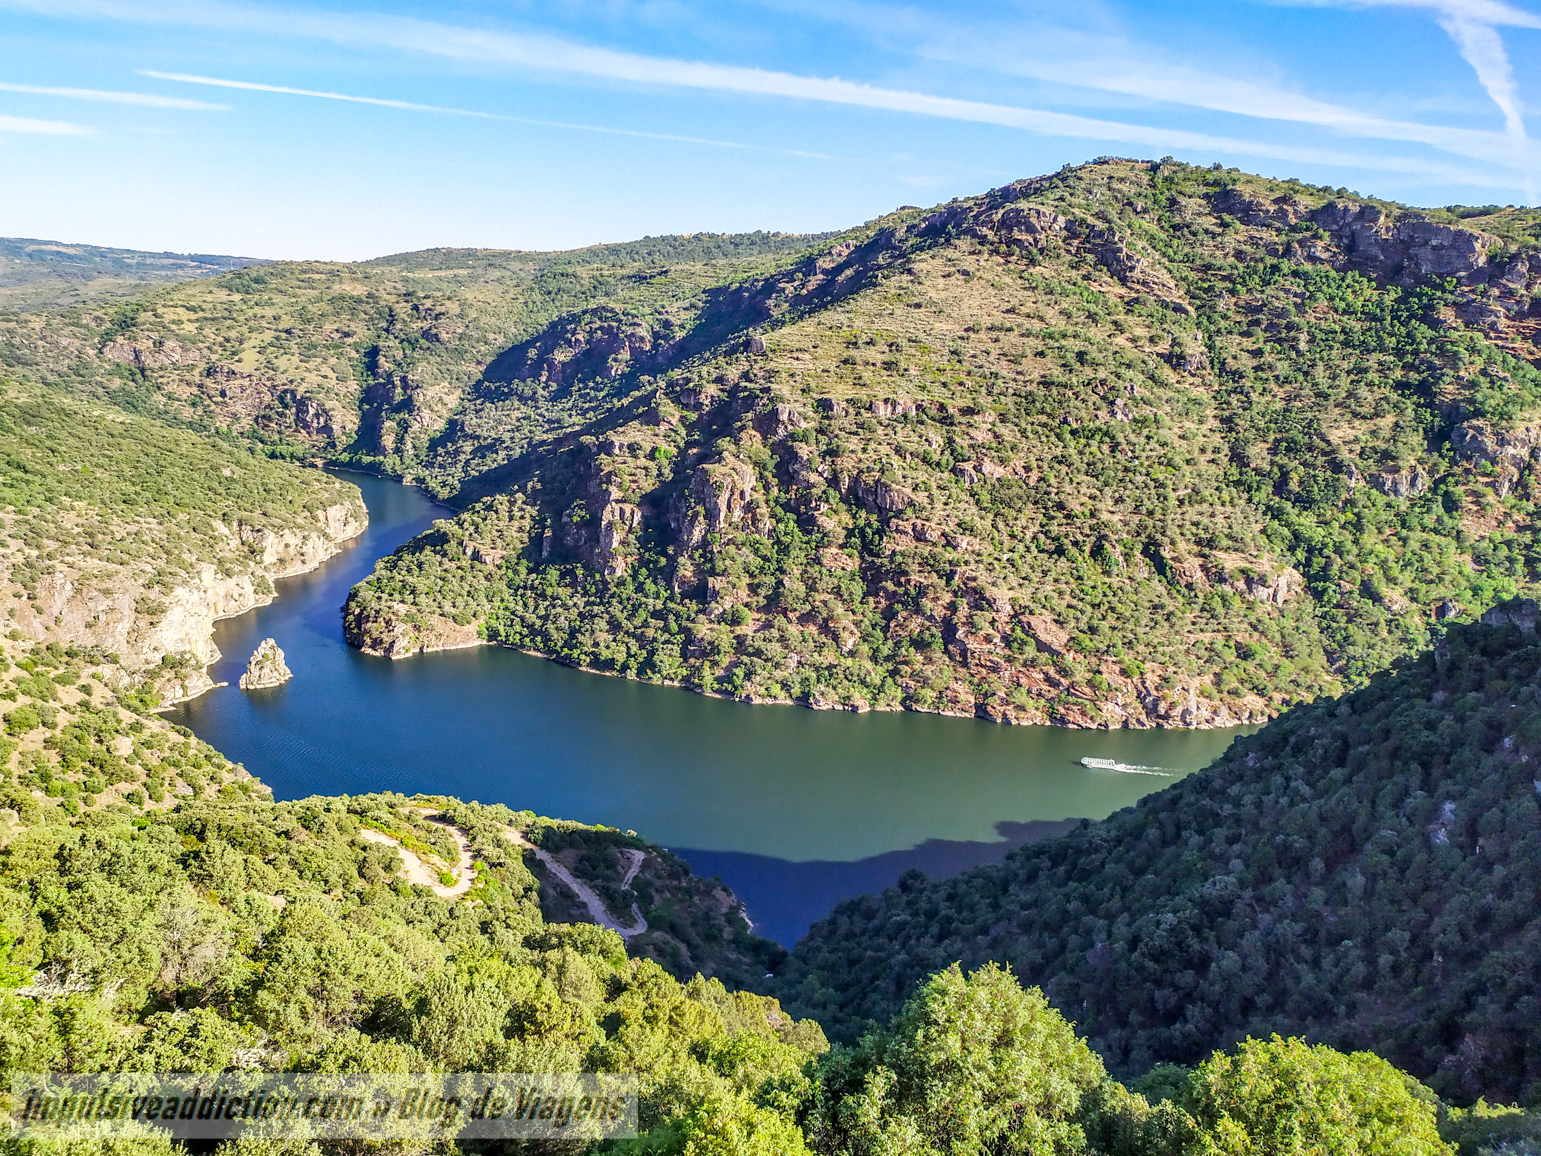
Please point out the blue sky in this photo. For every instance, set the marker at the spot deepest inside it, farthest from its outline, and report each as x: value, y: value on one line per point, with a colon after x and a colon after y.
x: 350, y: 130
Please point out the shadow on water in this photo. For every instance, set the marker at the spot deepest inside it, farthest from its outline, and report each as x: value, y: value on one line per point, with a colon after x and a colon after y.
x: 785, y: 898
x: 773, y: 782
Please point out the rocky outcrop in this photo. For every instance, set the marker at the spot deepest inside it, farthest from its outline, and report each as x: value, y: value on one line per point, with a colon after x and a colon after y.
x: 266, y: 667
x: 876, y: 495
x: 719, y: 496
x: 604, y: 343
x: 398, y: 631
x: 1405, y: 249
x: 1480, y: 441
x: 144, y: 624
x: 1408, y: 483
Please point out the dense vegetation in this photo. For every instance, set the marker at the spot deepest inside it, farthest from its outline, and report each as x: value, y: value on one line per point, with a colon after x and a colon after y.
x: 158, y: 911
x: 234, y: 933
x: 1130, y: 445
x: 71, y: 746
x: 1361, y: 872
x: 693, y: 925
x: 1133, y: 444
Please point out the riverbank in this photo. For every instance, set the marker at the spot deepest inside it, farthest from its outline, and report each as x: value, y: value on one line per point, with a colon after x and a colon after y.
x: 420, y: 634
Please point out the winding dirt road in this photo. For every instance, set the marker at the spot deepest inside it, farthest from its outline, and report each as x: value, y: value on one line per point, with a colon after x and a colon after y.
x: 597, y: 910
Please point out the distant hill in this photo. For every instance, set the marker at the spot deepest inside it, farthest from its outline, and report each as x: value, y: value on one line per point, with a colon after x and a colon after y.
x: 38, y: 274
x: 1362, y: 871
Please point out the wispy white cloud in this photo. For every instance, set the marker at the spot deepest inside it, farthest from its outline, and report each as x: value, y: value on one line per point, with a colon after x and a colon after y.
x: 1483, y: 49
x: 143, y: 99
x: 253, y: 86
x: 1474, y: 25
x: 541, y: 53
x: 1102, y: 59
x: 27, y: 124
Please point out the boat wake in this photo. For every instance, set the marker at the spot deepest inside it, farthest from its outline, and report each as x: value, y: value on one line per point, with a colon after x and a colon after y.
x: 1123, y: 768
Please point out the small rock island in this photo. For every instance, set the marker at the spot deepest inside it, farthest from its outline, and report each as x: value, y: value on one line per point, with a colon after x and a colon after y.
x: 266, y: 667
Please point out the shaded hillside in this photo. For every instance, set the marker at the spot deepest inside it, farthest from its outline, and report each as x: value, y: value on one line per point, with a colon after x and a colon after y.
x: 1362, y: 871
x: 49, y: 274
x: 1129, y: 445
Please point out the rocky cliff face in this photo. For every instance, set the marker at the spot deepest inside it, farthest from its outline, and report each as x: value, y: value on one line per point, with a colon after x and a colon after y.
x: 115, y: 610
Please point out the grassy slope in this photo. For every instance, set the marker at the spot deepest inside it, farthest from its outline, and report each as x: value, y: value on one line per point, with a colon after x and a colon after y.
x: 96, y: 504
x: 1091, y: 449
x: 1362, y: 871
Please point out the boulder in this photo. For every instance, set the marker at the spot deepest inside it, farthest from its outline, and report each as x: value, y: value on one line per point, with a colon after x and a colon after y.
x: 266, y: 667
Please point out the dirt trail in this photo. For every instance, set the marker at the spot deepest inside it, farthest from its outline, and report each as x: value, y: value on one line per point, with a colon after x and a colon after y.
x: 586, y: 894
x: 424, y: 874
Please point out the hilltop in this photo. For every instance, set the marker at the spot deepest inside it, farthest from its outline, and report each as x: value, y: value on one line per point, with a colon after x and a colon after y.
x: 1132, y: 444
x: 1362, y: 872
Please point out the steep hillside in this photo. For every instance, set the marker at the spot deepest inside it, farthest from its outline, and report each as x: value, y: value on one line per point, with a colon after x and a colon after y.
x: 359, y: 362
x: 1129, y: 445
x: 38, y: 274
x: 72, y: 748
x: 124, y: 537
x: 1363, y: 871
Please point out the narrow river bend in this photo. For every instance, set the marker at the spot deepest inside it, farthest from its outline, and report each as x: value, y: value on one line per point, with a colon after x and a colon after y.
x: 754, y: 791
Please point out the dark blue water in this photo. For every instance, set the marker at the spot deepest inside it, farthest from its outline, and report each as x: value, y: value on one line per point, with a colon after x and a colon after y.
x: 682, y: 770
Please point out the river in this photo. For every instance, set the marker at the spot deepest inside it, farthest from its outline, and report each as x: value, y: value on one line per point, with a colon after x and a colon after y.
x: 794, y: 808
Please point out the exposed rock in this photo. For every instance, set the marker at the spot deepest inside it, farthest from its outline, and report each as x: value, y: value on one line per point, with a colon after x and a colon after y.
x: 1522, y: 613
x: 1047, y: 633
x: 266, y: 667
x: 1029, y: 226
x: 878, y: 496
x: 618, y: 523
x: 399, y: 632
x: 1408, y: 483
x: 1271, y: 589
x: 1280, y: 212
x: 1479, y: 440
x: 144, y: 625
x: 147, y: 356
x: 778, y: 421
x: 1407, y: 250
x: 604, y: 342
x: 1189, y: 355
x: 719, y: 496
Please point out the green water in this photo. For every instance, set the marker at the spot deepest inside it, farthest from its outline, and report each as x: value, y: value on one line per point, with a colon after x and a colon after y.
x: 680, y: 769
